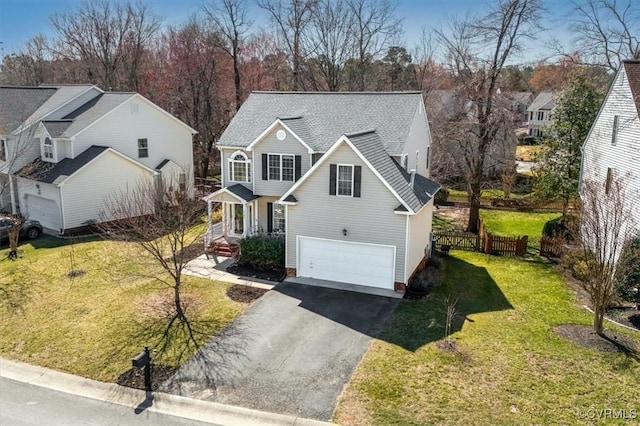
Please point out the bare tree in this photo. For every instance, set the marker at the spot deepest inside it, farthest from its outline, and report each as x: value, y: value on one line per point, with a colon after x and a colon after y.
x: 331, y: 38
x: 291, y: 18
x: 108, y: 37
x: 477, y: 50
x: 608, y: 31
x: 374, y: 26
x: 230, y: 19
x: 606, y: 228
x: 160, y: 221
x: 29, y: 66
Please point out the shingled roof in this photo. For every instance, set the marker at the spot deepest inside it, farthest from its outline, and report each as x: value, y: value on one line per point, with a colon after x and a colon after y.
x: 632, y: 68
x: 48, y: 172
x: 544, y: 101
x: 19, y: 103
x: 320, y: 118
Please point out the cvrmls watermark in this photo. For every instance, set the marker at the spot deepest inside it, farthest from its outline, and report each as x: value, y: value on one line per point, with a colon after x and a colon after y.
x: 608, y: 413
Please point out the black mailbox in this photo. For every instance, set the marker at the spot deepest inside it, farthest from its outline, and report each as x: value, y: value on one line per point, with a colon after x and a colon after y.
x: 140, y: 360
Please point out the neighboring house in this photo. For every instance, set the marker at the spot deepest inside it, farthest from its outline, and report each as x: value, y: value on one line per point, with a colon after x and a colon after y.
x: 65, y: 149
x: 612, y: 148
x: 343, y: 176
x: 539, y: 113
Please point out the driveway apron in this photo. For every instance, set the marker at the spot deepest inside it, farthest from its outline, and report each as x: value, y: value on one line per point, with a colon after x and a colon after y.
x: 291, y: 352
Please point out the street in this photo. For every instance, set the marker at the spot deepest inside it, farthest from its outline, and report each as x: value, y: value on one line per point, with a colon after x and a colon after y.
x: 25, y: 404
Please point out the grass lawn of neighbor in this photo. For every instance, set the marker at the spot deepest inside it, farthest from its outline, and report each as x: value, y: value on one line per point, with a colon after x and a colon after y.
x: 513, y: 223
x: 506, y: 365
x: 88, y: 306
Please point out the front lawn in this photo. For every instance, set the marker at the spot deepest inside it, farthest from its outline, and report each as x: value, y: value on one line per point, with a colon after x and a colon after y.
x: 512, y: 224
x: 92, y: 321
x: 509, y: 367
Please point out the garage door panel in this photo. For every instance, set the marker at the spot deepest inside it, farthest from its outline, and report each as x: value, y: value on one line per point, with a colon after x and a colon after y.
x: 44, y: 210
x: 349, y: 262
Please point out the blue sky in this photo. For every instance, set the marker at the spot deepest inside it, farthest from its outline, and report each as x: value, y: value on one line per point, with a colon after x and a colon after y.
x: 23, y: 19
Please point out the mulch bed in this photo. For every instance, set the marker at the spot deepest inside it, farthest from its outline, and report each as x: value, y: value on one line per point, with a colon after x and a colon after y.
x: 275, y: 275
x: 584, y: 335
x: 134, y: 378
x: 245, y: 294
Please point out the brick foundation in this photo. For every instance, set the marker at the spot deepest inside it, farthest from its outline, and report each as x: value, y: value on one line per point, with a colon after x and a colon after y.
x: 291, y: 272
x: 418, y: 268
x: 399, y: 286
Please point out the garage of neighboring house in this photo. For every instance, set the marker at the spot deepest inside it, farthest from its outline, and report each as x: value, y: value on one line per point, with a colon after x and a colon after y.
x: 44, y: 210
x: 345, y: 261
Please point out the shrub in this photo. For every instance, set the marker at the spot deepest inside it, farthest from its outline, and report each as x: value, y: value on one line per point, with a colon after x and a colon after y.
x: 441, y: 196
x: 262, y: 252
x: 564, y: 227
x: 216, y: 215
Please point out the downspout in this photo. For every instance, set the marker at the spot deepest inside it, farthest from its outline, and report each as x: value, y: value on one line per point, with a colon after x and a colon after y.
x: 14, y: 209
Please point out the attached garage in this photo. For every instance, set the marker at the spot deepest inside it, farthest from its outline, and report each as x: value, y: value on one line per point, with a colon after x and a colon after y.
x: 44, y: 210
x: 345, y: 261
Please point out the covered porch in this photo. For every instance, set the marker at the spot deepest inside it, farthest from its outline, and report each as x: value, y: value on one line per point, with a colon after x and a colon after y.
x: 239, y: 218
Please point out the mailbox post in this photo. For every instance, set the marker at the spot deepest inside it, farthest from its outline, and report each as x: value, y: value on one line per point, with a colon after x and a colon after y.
x: 143, y: 362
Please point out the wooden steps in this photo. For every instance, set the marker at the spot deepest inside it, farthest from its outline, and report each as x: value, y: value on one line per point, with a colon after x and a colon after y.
x: 223, y: 248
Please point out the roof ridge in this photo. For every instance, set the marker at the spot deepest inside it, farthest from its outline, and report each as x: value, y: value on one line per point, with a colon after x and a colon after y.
x: 280, y: 92
x: 360, y: 133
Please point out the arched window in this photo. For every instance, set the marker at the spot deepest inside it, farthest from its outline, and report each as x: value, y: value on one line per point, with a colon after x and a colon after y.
x: 239, y: 167
x: 47, y: 151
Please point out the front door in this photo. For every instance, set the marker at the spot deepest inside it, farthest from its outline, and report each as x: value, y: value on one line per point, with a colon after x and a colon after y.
x: 238, y: 219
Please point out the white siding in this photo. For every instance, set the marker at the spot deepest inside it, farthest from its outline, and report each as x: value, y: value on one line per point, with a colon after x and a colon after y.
x: 599, y: 153
x: 30, y: 188
x: 121, y: 129
x: 419, y: 139
x: 368, y: 219
x: 23, y: 148
x: 419, y: 237
x: 73, y: 105
x: 85, y: 194
x: 271, y: 145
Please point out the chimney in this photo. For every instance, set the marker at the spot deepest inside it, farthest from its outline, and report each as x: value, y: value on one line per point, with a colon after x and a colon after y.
x: 413, y: 177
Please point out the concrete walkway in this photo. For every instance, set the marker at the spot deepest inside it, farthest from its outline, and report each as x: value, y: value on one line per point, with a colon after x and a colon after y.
x: 215, y: 268
x: 138, y: 400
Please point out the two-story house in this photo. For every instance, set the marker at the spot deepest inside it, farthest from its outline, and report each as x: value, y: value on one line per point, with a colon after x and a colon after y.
x: 344, y: 176
x: 539, y: 114
x: 611, y: 152
x: 66, y: 149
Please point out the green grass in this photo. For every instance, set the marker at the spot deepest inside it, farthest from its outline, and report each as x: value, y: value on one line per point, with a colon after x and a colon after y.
x: 488, y: 194
x: 509, y: 368
x: 511, y: 223
x: 93, y: 324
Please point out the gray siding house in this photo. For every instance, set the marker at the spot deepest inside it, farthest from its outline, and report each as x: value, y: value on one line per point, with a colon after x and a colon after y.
x: 343, y: 177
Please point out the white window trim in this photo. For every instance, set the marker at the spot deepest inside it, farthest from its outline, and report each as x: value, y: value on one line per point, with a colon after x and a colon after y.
x: 338, y: 179
x: 269, y: 154
x: 284, y: 218
x: 43, y: 150
x: 246, y: 161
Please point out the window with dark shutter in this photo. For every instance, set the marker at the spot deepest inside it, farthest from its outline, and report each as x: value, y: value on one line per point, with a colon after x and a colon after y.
x: 333, y: 171
x: 614, y: 132
x: 357, y: 176
x: 298, y: 165
x: 269, y: 217
x: 265, y: 170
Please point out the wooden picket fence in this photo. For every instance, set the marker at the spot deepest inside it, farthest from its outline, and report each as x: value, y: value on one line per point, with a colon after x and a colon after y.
x: 551, y: 247
x: 484, y: 242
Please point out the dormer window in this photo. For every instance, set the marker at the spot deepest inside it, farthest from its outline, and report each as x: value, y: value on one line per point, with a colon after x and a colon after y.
x: 47, y: 149
x: 239, y: 168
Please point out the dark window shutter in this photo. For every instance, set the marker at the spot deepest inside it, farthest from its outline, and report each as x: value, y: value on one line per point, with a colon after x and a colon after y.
x: 333, y: 171
x: 265, y: 169
x: 269, y: 217
x: 298, y: 167
x: 357, y: 174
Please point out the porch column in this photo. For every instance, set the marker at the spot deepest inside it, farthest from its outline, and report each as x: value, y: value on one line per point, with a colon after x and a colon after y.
x: 207, y: 238
x: 245, y: 220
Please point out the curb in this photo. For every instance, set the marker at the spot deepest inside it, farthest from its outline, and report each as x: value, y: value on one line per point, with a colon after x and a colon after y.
x: 158, y: 402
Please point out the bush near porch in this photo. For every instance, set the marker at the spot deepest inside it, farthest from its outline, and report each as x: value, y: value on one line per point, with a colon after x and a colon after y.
x: 262, y: 252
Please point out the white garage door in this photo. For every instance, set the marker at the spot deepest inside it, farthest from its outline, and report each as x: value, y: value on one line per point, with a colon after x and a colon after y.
x: 44, y: 210
x: 356, y: 263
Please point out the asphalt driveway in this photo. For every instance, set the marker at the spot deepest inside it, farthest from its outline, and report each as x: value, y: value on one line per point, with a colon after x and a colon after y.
x: 291, y: 352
